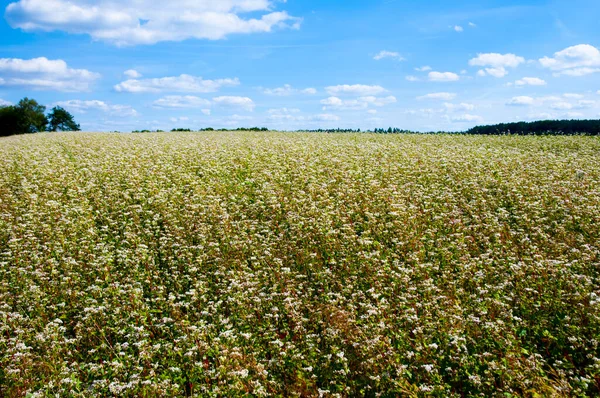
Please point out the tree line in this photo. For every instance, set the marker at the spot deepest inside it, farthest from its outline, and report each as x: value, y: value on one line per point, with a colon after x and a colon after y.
x: 544, y: 127
x: 28, y: 117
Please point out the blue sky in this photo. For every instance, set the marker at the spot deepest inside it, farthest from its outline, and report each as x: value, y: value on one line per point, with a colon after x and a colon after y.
x: 290, y: 64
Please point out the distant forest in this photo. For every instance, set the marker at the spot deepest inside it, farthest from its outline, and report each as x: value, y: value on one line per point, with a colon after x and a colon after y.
x: 545, y: 127
x: 28, y: 116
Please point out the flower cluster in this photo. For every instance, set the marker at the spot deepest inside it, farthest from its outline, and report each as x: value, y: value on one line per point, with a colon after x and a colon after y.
x: 273, y: 264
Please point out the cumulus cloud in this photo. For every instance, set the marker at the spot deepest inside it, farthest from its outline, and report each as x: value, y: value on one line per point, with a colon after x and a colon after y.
x: 579, y: 60
x: 496, y: 64
x: 293, y: 115
x: 521, y: 101
x: 467, y: 118
x: 356, y: 89
x: 183, y: 83
x: 443, y: 77
x: 179, y: 101
x: 553, y: 102
x: 235, y: 102
x: 79, y: 106
x: 356, y: 104
x: 438, y: 96
x: 287, y: 90
x: 325, y: 117
x: 458, y: 28
x: 388, y: 54
x: 179, y: 119
x: 463, y: 106
x: 4, y: 102
x: 412, y: 78
x: 573, y: 96
x: 132, y: 74
x: 132, y: 22
x: 423, y: 69
x: 561, y: 106
x: 309, y: 91
x: 530, y: 81
x: 44, y: 74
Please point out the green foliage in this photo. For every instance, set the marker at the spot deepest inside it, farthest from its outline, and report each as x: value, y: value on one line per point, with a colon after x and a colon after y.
x: 61, y: 120
x: 33, y: 114
x: 545, y: 127
x: 28, y: 117
x: 12, y: 121
x: 24, y: 118
x: 271, y: 264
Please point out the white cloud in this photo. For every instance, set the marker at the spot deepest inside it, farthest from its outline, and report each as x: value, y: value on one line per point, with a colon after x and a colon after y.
x: 132, y: 74
x: 356, y: 104
x: 178, y: 101
x: 496, y: 60
x: 5, y: 103
x: 553, y: 102
x: 293, y: 115
x: 388, y: 54
x: 235, y: 102
x: 412, y: 78
x: 541, y: 116
x: 561, y: 106
x: 325, y: 117
x: 458, y: 28
x: 379, y: 101
x: 578, y: 72
x: 372, y: 111
x: 356, y: 89
x: 581, y: 104
x: 573, y: 96
x: 79, y: 106
x: 498, y: 72
x: 179, y: 119
x: 183, y: 83
x: 574, y: 115
x: 283, y: 111
x: 459, y: 107
x: 443, y: 77
x: 131, y: 22
x: 467, y: 118
x: 44, y: 74
x: 579, y: 60
x: 521, y: 101
x: 530, y: 81
x: 438, y: 96
x: 496, y: 63
x: 423, y: 69
x: 287, y: 90
x: 472, y: 25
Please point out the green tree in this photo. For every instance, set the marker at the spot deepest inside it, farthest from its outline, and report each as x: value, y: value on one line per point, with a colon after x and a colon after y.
x: 33, y: 114
x: 11, y: 121
x: 61, y: 120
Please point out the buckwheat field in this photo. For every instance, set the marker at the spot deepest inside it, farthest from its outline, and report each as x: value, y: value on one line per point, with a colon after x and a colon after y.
x: 307, y: 265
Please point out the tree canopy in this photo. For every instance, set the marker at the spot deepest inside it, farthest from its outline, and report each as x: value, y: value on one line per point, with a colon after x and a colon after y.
x: 28, y: 116
x: 61, y: 120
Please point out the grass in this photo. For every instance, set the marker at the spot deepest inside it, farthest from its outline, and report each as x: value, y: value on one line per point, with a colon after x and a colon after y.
x: 271, y: 264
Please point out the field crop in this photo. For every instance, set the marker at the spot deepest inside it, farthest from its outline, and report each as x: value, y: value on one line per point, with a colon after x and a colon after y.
x: 273, y: 264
